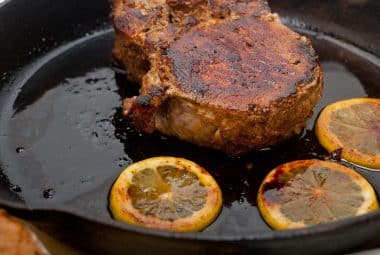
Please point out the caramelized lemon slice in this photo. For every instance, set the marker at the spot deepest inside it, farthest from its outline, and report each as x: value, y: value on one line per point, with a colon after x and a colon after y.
x: 166, y: 193
x: 354, y: 126
x: 309, y: 192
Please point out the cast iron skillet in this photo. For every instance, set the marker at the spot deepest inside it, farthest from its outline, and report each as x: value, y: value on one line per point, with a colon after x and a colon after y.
x: 63, y: 143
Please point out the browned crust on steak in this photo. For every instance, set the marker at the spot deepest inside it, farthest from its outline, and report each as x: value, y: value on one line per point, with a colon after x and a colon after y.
x: 145, y: 27
x: 224, y: 65
x: 132, y: 17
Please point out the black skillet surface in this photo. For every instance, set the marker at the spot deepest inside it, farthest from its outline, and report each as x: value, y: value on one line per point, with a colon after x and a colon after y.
x: 63, y: 141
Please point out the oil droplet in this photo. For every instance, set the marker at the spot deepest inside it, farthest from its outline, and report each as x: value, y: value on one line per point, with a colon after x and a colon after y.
x: 15, y: 188
x: 48, y: 193
x: 249, y: 166
x: 337, y: 154
x: 163, y: 137
x: 20, y: 150
x: 313, y: 154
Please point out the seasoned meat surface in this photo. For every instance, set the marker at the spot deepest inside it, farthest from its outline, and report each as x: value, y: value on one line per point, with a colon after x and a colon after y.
x: 221, y: 74
x: 146, y: 27
x: 224, y: 65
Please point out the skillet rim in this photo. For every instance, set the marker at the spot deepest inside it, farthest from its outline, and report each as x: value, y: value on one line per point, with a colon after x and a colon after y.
x: 274, y: 235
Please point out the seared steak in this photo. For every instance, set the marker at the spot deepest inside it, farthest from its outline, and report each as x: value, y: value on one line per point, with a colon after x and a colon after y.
x: 222, y: 74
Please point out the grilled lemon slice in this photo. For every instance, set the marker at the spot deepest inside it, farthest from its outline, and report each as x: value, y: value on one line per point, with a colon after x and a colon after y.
x: 309, y: 192
x: 166, y: 193
x: 354, y: 126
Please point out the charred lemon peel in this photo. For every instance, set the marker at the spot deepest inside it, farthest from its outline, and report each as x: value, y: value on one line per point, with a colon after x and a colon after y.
x: 354, y: 126
x: 166, y: 193
x: 310, y: 192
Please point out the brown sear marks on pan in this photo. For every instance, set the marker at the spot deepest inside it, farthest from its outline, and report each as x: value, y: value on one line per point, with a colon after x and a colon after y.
x: 67, y: 118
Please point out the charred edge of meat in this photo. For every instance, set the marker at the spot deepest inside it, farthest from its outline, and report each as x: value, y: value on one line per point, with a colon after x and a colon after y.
x: 141, y: 109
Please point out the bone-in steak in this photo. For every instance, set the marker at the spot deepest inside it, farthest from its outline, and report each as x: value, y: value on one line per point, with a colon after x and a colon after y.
x: 221, y: 74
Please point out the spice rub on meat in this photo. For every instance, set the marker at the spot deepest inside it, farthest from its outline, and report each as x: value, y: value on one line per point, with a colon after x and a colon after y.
x: 221, y: 74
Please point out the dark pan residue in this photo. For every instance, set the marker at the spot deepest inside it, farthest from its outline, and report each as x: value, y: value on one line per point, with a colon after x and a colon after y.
x: 63, y: 140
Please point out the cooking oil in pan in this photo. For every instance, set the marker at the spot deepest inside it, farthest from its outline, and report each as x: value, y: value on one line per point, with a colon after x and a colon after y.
x: 63, y: 140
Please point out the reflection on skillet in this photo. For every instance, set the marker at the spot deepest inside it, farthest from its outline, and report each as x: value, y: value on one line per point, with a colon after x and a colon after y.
x: 67, y: 120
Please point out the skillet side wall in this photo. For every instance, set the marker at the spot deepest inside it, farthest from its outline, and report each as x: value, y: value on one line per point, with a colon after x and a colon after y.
x: 354, y: 21
x: 31, y: 28
x: 96, y: 238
